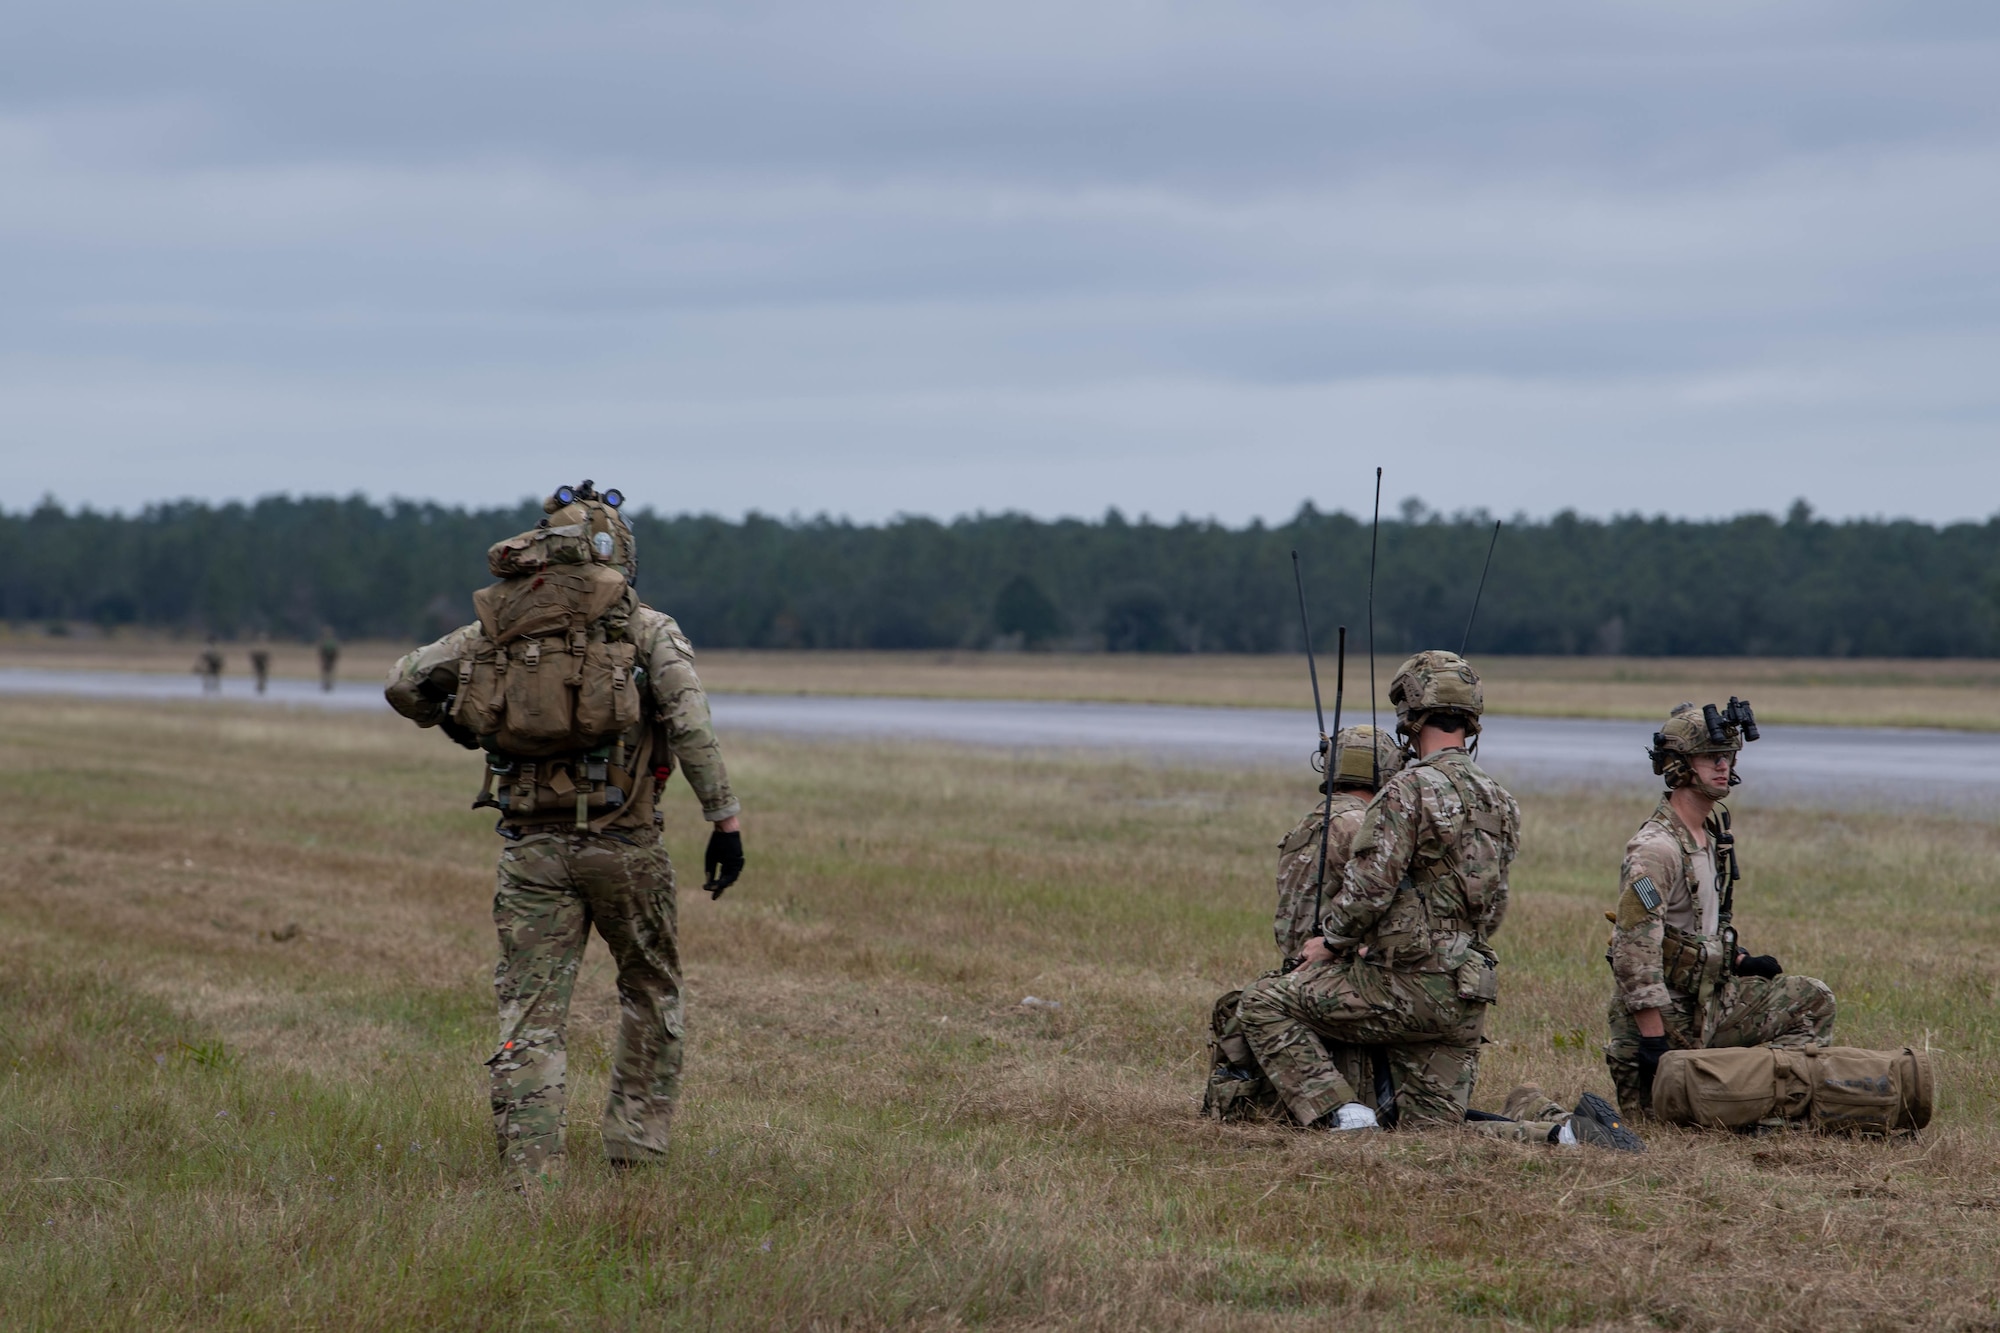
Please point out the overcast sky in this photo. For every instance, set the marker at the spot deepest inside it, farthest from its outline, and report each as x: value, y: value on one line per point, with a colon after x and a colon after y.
x: 1202, y: 258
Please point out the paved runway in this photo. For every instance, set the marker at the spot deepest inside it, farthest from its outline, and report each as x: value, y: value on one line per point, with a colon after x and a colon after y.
x: 1811, y: 765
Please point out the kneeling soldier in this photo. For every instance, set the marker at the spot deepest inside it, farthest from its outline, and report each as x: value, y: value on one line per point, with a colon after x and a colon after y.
x: 1361, y: 760
x: 1681, y: 979
x: 1402, y: 961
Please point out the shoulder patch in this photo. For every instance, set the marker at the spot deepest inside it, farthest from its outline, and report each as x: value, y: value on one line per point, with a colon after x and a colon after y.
x: 1643, y: 886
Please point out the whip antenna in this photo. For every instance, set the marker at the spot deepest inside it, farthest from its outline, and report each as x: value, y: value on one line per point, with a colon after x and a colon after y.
x: 1374, y: 536
x: 1495, y: 541
x: 1319, y: 716
x: 1332, y: 767
x: 1300, y: 580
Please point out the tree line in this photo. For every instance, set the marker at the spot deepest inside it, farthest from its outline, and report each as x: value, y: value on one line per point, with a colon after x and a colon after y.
x: 1755, y: 584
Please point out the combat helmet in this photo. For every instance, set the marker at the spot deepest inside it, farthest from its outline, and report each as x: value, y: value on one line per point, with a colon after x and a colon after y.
x: 600, y: 519
x: 1354, y: 765
x: 1705, y: 730
x: 1435, y: 681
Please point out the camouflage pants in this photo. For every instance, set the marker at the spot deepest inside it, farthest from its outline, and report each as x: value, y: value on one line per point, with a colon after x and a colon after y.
x: 552, y: 889
x: 1787, y: 1011
x: 1432, y: 1037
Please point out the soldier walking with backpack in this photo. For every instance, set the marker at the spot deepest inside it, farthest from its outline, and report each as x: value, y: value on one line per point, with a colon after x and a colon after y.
x: 585, y: 701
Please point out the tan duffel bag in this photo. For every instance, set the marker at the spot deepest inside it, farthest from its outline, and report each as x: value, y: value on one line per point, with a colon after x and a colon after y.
x: 1836, y: 1089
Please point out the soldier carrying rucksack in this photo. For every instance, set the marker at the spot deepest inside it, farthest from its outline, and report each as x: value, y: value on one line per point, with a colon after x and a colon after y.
x: 585, y: 701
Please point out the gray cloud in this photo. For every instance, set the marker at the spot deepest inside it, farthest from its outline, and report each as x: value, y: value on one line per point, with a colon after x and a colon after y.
x: 870, y: 257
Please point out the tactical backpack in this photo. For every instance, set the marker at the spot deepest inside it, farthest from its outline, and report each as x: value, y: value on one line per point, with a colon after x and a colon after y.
x: 551, y: 687
x: 1237, y: 1088
x: 1833, y: 1089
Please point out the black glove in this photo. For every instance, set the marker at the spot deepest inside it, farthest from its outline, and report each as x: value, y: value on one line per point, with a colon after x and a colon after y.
x: 722, y: 862
x: 1757, y: 965
x: 1650, y: 1051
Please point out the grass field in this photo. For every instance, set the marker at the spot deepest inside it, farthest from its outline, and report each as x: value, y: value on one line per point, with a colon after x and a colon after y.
x: 1962, y: 695
x: 202, y: 1125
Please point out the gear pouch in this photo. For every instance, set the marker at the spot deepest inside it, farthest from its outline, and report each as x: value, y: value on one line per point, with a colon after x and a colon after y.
x: 1477, y: 978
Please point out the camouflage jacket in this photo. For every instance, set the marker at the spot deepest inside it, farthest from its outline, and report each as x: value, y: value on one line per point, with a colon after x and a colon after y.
x: 679, y: 708
x: 1657, y: 893
x: 1427, y: 881
x: 1298, y: 868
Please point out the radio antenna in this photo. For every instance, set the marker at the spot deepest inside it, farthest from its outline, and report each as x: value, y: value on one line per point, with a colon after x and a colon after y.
x: 1326, y: 748
x: 1493, y: 542
x: 1374, y: 538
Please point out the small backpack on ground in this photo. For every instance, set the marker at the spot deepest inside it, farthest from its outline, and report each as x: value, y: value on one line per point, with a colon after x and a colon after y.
x: 1834, y: 1089
x: 1237, y: 1088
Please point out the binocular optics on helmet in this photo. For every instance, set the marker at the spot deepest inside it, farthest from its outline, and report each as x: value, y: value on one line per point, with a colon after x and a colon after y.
x: 586, y: 491
x: 1719, y: 720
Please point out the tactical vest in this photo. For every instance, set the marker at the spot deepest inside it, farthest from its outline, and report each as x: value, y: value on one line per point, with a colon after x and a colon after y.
x: 1434, y: 922
x: 553, y: 689
x: 1693, y: 963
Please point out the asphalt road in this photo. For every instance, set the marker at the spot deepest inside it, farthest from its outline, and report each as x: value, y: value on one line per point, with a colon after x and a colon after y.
x: 1804, y: 765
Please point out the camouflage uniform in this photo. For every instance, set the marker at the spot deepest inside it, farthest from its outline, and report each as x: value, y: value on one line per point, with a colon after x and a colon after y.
x: 555, y: 882
x: 1662, y: 958
x: 1424, y: 889
x: 1298, y: 867
x: 1356, y: 774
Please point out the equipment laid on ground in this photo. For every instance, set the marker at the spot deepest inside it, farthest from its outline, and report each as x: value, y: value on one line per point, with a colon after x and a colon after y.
x: 1831, y: 1089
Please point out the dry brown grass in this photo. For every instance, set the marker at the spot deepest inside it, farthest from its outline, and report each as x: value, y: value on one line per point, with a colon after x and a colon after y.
x: 201, y: 1126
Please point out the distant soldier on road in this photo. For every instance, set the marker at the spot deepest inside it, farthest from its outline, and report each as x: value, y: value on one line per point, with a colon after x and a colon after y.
x: 1402, y: 960
x: 1681, y: 980
x: 260, y: 662
x: 329, y: 658
x: 208, y: 665
x: 585, y: 700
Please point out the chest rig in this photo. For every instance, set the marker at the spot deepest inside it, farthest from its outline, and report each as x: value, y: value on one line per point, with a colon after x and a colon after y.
x: 1435, y: 922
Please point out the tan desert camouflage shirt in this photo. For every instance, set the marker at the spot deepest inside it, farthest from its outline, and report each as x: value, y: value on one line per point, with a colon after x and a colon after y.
x: 1428, y: 875
x: 1298, y: 868
x: 680, y: 708
x: 1658, y: 887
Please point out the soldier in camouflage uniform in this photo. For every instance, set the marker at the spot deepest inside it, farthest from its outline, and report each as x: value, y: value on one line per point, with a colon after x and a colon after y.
x: 1358, y: 758
x: 558, y: 877
x: 1681, y: 980
x: 1363, y: 758
x: 1403, y: 959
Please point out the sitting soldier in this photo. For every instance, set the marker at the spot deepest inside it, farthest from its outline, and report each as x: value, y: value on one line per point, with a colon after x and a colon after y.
x: 1681, y: 979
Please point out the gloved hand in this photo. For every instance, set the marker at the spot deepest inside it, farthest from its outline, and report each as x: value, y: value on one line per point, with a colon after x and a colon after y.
x: 1757, y: 965
x: 722, y: 862
x: 1650, y: 1051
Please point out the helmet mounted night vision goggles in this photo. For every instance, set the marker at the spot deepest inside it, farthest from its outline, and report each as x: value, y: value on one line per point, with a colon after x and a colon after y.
x: 1707, y: 730
x: 568, y: 495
